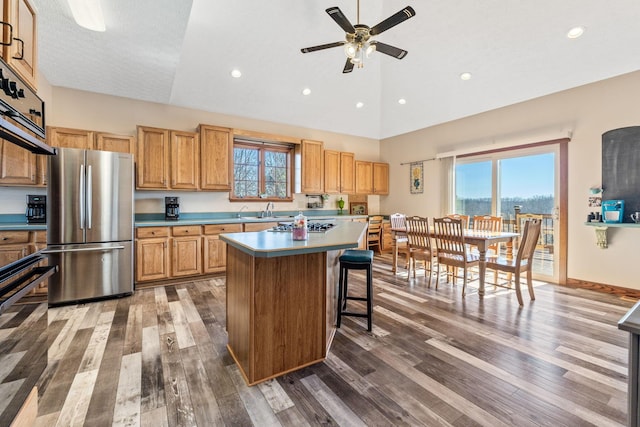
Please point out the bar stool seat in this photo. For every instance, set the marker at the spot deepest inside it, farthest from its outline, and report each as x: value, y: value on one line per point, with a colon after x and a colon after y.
x: 355, y: 259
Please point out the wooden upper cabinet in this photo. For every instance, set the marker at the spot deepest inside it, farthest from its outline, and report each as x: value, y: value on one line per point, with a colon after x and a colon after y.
x: 312, y: 167
x: 331, y: 171
x: 116, y: 143
x: 21, y: 55
x: 364, y: 177
x: 380, y: 178
x: 339, y: 172
x: 185, y: 165
x: 347, y: 173
x: 152, y: 157
x: 17, y: 165
x: 70, y: 138
x: 216, y: 152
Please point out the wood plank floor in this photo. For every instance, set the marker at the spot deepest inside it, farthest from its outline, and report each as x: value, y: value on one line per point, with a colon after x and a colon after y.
x: 159, y: 358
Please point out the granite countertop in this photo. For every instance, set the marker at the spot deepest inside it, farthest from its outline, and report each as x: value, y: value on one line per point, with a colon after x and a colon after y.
x: 271, y: 244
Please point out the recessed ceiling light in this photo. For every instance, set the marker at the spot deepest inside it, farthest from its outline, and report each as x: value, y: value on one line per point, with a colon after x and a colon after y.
x: 359, y: 104
x: 402, y: 101
x: 575, y: 32
x: 236, y: 73
x: 306, y: 91
x: 465, y: 76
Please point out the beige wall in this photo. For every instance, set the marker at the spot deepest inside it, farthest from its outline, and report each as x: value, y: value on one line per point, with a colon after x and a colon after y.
x: 589, y: 111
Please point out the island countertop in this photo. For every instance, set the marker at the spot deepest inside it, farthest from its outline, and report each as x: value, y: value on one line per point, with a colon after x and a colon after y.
x: 270, y: 244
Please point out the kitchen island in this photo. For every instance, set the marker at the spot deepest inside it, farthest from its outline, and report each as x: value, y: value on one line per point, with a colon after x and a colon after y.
x: 281, y: 297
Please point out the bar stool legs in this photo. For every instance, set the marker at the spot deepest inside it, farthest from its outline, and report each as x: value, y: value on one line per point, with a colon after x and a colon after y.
x: 355, y: 260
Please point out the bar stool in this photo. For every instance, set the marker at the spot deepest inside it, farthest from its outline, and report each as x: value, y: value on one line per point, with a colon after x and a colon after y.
x: 353, y: 259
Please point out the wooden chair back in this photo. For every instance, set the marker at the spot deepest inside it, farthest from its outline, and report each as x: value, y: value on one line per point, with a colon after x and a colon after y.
x: 488, y: 223
x: 374, y: 232
x: 418, y: 236
x: 522, y: 218
x: 450, y: 237
x: 530, y: 236
x: 463, y: 218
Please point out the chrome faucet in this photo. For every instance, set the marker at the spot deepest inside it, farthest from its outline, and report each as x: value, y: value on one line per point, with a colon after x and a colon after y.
x: 268, y: 212
x: 241, y: 209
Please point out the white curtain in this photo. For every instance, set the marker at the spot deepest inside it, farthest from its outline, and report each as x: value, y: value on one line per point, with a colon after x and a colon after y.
x: 447, y: 180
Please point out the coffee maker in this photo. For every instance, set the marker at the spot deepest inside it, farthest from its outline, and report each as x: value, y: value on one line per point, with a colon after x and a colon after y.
x: 36, y: 209
x: 171, y: 208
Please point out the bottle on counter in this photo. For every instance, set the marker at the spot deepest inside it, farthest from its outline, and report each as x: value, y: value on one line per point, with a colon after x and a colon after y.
x: 299, y: 231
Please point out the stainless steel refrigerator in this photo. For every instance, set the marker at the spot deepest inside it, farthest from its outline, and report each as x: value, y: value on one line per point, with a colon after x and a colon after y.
x: 90, y: 225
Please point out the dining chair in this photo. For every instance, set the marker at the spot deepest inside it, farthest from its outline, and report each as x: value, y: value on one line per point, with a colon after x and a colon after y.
x: 419, y: 244
x: 452, y: 271
x: 451, y: 249
x: 463, y: 218
x: 489, y: 223
x: 374, y: 232
x: 523, y: 260
x: 400, y: 246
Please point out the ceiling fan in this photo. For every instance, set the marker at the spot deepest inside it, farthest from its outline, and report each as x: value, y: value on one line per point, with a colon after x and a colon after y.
x: 358, y: 42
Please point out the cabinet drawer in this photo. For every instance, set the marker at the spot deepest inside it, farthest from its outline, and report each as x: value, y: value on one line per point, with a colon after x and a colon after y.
x: 40, y: 236
x: 148, y: 232
x: 222, y: 228
x: 10, y: 237
x: 187, y: 230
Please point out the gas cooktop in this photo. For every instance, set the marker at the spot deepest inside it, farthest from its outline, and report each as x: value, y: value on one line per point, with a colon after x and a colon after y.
x: 312, y: 227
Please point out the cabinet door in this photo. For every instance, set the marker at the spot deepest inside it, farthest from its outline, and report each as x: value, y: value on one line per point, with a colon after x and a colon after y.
x: 152, y: 259
x: 215, y: 254
x: 331, y: 171
x: 381, y: 178
x: 186, y: 256
x: 216, y: 153
x: 312, y: 167
x: 17, y: 165
x: 116, y: 143
x: 185, y: 163
x: 70, y: 138
x: 22, y: 53
x: 364, y: 177
x: 152, y: 157
x: 347, y: 173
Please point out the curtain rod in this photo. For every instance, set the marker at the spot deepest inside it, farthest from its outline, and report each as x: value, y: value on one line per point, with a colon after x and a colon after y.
x: 418, y: 161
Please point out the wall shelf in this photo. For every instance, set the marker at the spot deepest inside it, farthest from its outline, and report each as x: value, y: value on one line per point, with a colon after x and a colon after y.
x: 601, y: 230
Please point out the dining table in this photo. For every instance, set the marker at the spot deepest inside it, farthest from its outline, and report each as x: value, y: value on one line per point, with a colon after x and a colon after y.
x: 479, y: 238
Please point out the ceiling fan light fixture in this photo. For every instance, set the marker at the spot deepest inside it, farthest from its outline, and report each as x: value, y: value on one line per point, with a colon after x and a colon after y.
x: 235, y: 73
x: 402, y: 101
x: 369, y: 48
x: 306, y: 91
x: 350, y: 49
x: 87, y: 14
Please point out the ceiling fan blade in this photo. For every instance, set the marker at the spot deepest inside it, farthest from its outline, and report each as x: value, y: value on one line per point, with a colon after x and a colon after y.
x: 336, y: 14
x: 390, y: 50
x: 393, y: 20
x: 321, y: 47
x: 348, y: 67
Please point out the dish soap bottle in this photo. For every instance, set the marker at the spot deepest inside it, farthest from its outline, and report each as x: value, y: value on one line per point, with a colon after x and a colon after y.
x: 299, y: 231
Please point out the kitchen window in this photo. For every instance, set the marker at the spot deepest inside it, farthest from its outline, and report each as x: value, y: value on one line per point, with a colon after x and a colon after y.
x: 262, y: 171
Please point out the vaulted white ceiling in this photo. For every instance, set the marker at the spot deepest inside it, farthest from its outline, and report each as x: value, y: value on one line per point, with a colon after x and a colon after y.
x: 181, y: 52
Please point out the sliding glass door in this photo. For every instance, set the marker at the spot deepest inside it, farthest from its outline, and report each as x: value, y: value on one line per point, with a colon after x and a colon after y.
x: 515, y: 184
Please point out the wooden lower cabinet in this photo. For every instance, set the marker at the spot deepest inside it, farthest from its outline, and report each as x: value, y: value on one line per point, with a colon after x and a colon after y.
x: 181, y: 251
x: 152, y: 254
x: 215, y: 250
x: 186, y: 251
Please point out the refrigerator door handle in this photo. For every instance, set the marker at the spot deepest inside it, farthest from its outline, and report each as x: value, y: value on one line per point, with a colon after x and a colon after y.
x: 81, y: 196
x: 89, y: 196
x: 60, y: 251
